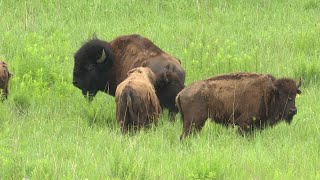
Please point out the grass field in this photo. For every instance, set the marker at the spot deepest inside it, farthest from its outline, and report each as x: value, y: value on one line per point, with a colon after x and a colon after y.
x: 49, y: 131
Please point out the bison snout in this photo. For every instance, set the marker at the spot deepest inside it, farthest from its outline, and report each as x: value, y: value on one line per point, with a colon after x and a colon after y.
x: 293, y: 110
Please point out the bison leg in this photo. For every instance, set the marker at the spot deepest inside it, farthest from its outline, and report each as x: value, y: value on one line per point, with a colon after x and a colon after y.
x: 124, y: 127
x: 187, y: 127
x: 4, y: 94
x: 153, y: 119
x: 172, y: 116
x: 194, y: 120
x: 192, y: 126
x: 245, y: 128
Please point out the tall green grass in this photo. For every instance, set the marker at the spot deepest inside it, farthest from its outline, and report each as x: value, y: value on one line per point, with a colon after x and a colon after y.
x: 49, y: 131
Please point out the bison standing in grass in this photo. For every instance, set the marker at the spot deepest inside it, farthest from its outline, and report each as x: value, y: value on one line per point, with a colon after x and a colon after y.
x: 137, y: 104
x: 247, y: 100
x: 101, y: 66
x: 4, y: 79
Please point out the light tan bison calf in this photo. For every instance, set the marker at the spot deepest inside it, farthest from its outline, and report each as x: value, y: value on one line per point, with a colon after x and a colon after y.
x: 247, y: 100
x: 4, y: 79
x: 137, y: 104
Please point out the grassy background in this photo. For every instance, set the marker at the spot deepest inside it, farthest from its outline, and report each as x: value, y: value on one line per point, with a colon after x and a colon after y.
x: 49, y: 131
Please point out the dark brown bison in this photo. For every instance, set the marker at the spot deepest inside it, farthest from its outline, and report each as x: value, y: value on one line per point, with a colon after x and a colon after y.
x: 137, y: 104
x: 4, y: 79
x: 247, y: 100
x: 101, y: 66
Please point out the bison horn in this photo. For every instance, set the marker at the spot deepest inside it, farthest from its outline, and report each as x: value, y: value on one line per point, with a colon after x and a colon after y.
x: 299, y: 83
x: 102, y: 58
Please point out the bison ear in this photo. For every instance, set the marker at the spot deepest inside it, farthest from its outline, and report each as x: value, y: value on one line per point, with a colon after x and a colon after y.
x: 102, y: 58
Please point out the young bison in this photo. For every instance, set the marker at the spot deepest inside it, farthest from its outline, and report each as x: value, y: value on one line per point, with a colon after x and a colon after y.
x: 137, y: 104
x: 4, y: 79
x: 246, y: 100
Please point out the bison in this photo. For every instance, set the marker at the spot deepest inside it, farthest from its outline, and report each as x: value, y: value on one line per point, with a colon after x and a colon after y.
x: 247, y: 100
x: 137, y: 104
x: 102, y: 66
x: 4, y: 79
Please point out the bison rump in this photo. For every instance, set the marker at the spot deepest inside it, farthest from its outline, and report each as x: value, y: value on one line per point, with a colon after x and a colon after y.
x: 133, y: 109
x: 137, y: 103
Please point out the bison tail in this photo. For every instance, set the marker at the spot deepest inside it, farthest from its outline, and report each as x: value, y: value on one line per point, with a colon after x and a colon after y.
x: 131, y: 114
x: 123, y: 109
x: 178, y: 104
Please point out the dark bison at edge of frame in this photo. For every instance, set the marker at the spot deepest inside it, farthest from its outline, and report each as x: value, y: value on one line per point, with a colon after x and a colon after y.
x: 5, y: 76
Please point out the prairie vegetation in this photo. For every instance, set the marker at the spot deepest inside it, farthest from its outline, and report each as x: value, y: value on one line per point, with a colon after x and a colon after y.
x: 49, y: 131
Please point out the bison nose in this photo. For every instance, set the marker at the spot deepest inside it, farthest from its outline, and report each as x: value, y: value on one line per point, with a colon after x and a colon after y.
x: 293, y: 110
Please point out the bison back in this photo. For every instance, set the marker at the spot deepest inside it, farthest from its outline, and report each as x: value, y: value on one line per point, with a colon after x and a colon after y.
x: 237, y: 100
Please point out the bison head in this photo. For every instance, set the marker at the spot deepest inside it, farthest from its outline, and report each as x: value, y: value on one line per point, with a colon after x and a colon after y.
x: 286, y: 90
x: 91, y: 62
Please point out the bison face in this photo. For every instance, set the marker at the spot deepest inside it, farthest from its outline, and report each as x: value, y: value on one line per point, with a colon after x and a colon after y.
x: 289, y: 106
x: 287, y: 91
x: 85, y: 77
x: 91, y: 63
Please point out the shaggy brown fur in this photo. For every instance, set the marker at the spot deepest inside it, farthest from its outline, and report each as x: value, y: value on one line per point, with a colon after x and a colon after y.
x: 247, y: 100
x: 4, y: 79
x: 101, y: 66
x: 136, y: 102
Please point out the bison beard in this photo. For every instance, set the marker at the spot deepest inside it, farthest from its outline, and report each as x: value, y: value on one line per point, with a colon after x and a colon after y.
x: 102, y: 66
x: 247, y: 100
